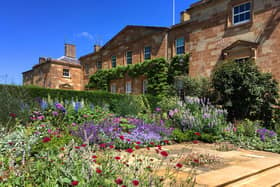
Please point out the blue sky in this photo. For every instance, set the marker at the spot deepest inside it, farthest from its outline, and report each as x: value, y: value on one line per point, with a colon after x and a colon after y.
x: 33, y: 28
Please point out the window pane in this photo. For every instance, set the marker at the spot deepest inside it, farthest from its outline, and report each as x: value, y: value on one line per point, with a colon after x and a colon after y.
x: 236, y: 19
x: 129, y: 57
x: 248, y: 6
x: 147, y: 53
x: 114, y: 61
x: 242, y: 17
x: 247, y: 16
x: 236, y: 10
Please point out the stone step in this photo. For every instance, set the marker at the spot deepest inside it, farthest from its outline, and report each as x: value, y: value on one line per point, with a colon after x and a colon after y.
x: 267, y: 178
x: 232, y: 174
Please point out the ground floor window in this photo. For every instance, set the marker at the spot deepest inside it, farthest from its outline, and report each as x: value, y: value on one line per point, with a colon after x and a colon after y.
x: 128, y: 88
x: 113, y: 88
x: 240, y: 60
x: 145, y: 86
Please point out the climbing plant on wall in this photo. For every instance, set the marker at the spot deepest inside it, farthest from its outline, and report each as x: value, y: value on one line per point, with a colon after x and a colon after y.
x: 158, y: 71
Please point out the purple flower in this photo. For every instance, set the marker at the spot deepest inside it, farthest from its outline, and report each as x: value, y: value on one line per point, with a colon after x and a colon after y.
x: 158, y: 109
x: 55, y: 113
x: 60, y: 107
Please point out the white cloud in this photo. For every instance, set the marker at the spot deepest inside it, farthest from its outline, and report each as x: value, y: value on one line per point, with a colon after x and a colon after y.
x: 85, y: 35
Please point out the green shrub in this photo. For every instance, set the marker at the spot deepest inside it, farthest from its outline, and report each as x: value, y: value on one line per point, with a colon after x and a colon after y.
x: 180, y: 136
x: 247, y: 128
x: 195, y: 87
x: 13, y: 106
x: 244, y: 91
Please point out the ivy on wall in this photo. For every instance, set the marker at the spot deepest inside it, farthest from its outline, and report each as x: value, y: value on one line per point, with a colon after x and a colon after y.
x: 160, y: 74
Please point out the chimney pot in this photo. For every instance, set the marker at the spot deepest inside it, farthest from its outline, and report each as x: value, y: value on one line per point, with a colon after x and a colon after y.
x: 97, y: 48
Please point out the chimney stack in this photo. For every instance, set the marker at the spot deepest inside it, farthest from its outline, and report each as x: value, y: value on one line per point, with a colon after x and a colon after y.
x: 185, y: 16
x: 70, y: 50
x: 97, y: 48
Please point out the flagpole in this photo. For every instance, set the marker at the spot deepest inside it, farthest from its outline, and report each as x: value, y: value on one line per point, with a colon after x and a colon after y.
x: 173, y: 12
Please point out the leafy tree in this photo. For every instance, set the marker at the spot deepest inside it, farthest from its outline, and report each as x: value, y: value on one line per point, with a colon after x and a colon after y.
x: 245, y: 91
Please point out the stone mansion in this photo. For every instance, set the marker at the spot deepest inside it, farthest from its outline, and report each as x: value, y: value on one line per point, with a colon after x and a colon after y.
x: 210, y: 31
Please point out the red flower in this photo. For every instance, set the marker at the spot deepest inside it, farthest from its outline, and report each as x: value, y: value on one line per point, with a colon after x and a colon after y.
x: 119, y: 181
x: 128, y: 140
x: 129, y: 150
x: 138, y: 143
x: 77, y: 147
x: 195, y: 142
x: 196, y: 161
x: 135, y: 182
x: 164, y: 153
x: 13, y: 115
x: 94, y: 157
x: 166, y: 141
x: 74, y: 183
x: 103, y: 145
x: 123, y: 185
x: 122, y: 137
x: 98, y: 170
x: 11, y: 143
x: 111, y: 147
x: 152, y: 143
x: 117, y: 158
x: 137, y: 147
x: 179, y: 165
x: 159, y: 147
x: 157, y: 151
x: 84, y: 145
x: 148, y: 148
x: 46, y: 139
x: 197, y: 134
x: 62, y: 148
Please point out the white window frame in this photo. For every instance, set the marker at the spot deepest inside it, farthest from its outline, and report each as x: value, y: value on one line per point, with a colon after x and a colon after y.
x: 179, y: 46
x: 114, y: 57
x: 129, y: 57
x: 144, y: 86
x: 97, y: 64
x: 239, y: 13
x: 64, y: 74
x: 128, y: 87
x: 146, y: 53
x: 113, y: 88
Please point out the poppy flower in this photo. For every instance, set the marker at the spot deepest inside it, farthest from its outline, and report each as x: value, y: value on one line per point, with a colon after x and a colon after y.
x: 179, y: 165
x: 195, y: 142
x: 77, y: 147
x: 166, y: 141
x: 159, y: 147
x: 74, y: 183
x: 103, y: 145
x: 152, y: 143
x: 111, y: 147
x: 138, y: 143
x: 128, y: 140
x: 94, y: 157
x: 46, y: 139
x: 62, y: 148
x: 119, y: 181
x: 197, y: 134
x: 13, y: 115
x: 122, y: 137
x: 84, y: 145
x: 137, y: 147
x: 129, y: 150
x: 117, y: 158
x: 135, y: 182
x: 98, y: 170
x: 196, y: 161
x: 164, y: 153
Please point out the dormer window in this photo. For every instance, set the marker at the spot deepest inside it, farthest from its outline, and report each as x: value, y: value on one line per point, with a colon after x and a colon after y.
x: 241, y: 13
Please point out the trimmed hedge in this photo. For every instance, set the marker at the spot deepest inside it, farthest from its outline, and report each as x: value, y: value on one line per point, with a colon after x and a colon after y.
x: 94, y: 97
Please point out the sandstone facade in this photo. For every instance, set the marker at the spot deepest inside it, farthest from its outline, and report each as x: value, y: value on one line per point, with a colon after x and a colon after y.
x: 210, y: 30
